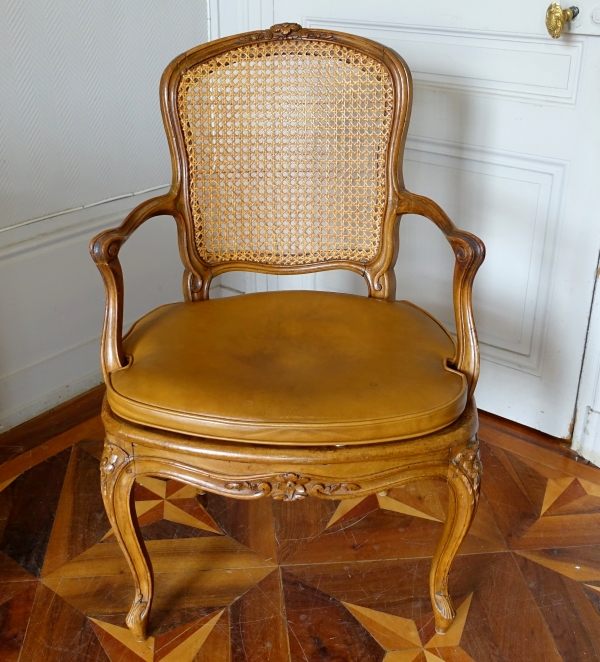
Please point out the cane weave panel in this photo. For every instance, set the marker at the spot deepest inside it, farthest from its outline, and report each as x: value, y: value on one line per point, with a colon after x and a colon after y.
x: 286, y: 144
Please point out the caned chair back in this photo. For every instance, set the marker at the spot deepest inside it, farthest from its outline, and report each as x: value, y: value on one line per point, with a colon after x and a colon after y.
x: 287, y: 145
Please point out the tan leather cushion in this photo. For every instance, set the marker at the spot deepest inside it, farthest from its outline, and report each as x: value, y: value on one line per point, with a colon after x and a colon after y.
x: 290, y: 367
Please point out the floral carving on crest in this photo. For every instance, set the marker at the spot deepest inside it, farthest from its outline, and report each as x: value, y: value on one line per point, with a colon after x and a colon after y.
x: 285, y: 30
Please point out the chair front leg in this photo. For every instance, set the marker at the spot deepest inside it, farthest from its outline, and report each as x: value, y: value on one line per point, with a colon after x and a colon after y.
x: 464, y: 476
x: 118, y: 477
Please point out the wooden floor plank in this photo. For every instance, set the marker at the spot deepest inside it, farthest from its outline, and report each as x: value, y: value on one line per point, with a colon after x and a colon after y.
x: 217, y: 647
x: 562, y: 601
x: 258, y: 624
x: 16, y: 602
x: 58, y: 632
x: 74, y: 530
x: 542, y: 455
x: 90, y: 429
x: 323, y: 629
x: 513, y: 616
x: 50, y: 424
x: 34, y: 499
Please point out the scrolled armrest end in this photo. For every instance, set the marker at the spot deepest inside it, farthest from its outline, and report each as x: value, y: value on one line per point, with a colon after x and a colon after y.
x: 105, y: 247
x: 467, y: 248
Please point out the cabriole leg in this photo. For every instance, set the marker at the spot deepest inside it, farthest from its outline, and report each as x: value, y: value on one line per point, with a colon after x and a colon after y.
x: 464, y: 473
x: 118, y: 476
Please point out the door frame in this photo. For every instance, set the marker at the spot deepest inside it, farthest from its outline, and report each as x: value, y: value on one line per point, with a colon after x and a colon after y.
x: 586, y: 430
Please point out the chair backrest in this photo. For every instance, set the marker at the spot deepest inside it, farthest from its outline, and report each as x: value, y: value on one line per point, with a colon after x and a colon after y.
x: 287, y: 150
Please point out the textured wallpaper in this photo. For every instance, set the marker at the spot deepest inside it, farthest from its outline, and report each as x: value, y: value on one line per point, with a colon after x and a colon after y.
x: 79, y: 109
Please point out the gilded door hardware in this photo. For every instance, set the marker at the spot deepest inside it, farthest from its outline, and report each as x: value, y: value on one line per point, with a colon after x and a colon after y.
x: 556, y: 17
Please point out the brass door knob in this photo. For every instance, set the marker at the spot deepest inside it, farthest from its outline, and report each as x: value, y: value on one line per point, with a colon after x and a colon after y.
x: 556, y: 17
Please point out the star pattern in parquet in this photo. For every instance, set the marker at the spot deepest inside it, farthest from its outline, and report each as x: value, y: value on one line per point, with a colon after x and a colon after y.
x: 312, y: 581
x: 179, y: 645
x: 401, y: 640
x: 170, y: 500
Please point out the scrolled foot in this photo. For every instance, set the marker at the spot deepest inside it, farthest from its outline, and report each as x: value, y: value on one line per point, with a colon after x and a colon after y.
x: 137, y: 618
x: 444, y: 613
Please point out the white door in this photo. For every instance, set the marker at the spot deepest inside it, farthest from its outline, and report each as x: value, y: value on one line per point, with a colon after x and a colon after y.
x: 505, y: 135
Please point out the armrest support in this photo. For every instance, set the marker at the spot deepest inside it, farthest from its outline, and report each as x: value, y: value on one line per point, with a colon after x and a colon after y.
x: 105, y: 252
x: 469, y: 252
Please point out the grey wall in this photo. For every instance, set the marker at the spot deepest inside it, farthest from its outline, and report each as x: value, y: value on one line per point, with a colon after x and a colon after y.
x: 79, y: 126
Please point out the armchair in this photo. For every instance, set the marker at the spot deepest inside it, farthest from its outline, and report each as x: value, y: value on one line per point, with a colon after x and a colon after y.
x: 286, y: 146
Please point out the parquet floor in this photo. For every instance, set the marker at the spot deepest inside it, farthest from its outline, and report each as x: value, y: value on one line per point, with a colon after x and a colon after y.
x: 308, y: 581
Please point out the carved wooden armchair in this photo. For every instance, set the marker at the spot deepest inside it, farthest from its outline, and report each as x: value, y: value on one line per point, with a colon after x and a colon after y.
x: 287, y: 147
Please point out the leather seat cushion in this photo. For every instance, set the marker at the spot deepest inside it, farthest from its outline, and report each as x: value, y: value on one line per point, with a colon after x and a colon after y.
x: 290, y: 367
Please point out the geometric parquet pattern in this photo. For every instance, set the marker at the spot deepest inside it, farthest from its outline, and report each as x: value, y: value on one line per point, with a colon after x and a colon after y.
x: 307, y: 581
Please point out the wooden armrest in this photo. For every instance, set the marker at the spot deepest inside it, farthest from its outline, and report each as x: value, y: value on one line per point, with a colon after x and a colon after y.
x: 469, y: 252
x: 105, y: 251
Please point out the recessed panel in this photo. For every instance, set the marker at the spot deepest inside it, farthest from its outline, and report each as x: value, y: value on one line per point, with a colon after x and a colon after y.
x: 502, y: 64
x: 508, y: 200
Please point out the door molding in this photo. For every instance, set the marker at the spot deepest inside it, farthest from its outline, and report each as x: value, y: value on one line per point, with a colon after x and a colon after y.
x: 513, y: 65
x: 544, y: 180
x: 529, y: 67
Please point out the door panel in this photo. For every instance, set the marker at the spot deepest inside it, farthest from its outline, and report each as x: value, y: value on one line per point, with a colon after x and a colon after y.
x: 504, y: 135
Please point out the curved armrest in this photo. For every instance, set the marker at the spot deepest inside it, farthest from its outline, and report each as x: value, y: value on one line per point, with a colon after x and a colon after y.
x: 469, y: 252
x: 105, y: 251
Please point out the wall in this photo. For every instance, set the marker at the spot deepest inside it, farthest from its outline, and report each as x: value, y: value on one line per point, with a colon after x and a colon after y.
x: 81, y: 143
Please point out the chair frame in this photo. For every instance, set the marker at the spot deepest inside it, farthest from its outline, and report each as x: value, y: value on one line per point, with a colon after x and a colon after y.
x: 250, y: 471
